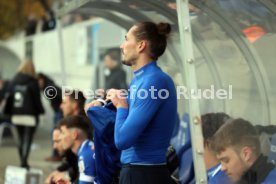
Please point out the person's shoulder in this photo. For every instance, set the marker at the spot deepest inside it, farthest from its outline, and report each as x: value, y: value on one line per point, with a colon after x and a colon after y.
x: 22, y: 78
x: 88, y: 151
x: 220, y: 177
x: 159, y: 73
x: 160, y: 78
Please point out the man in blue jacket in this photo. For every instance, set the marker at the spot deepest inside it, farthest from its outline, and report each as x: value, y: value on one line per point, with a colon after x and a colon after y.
x: 238, y: 148
x: 74, y: 135
x: 145, y: 120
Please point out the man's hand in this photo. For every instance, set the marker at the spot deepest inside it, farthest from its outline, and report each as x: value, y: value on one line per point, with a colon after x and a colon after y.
x: 61, y: 181
x: 118, y: 98
x: 92, y: 104
x: 49, y: 179
x: 58, y: 177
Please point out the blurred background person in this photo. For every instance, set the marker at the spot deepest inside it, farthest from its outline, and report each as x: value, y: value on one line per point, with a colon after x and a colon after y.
x: 25, y: 106
x: 73, y: 103
x: 115, y: 76
x: 55, y: 98
x: 4, y: 94
x: 4, y: 85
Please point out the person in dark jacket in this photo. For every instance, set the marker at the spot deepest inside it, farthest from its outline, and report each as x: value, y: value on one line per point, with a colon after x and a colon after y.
x: 210, y: 123
x: 4, y: 85
x: 4, y: 93
x: 25, y: 106
x: 115, y: 76
x: 54, y: 94
x: 237, y: 147
x: 55, y: 97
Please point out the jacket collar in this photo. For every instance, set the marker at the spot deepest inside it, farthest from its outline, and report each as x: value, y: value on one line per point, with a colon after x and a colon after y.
x: 258, y: 171
x: 147, y: 68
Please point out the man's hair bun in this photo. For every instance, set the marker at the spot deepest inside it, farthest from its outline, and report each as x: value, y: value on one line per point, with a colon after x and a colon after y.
x: 164, y: 29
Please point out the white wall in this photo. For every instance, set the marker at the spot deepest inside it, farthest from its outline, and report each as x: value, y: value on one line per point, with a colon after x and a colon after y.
x: 79, y: 69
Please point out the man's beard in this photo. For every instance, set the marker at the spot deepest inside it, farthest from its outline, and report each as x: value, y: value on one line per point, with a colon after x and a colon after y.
x: 127, y: 63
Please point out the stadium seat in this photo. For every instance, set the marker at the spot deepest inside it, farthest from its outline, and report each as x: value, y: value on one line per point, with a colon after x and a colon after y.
x: 182, y: 145
x: 182, y: 140
x: 272, y: 153
x: 186, y: 168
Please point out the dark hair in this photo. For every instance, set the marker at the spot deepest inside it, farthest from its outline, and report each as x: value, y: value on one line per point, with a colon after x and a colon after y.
x: 79, y: 98
x: 156, y: 34
x: 114, y: 53
x: 79, y: 122
x: 56, y: 127
x: 211, y: 122
x: 236, y: 133
x: 47, y: 80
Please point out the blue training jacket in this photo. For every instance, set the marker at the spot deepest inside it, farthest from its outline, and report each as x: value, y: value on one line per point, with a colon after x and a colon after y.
x: 86, y: 163
x: 271, y: 178
x: 107, y: 155
x: 144, y: 129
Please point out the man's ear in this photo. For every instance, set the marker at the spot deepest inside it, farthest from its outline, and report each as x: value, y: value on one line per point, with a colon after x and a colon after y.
x: 206, y: 144
x: 142, y: 46
x: 246, y: 154
x: 75, y: 134
x: 75, y: 105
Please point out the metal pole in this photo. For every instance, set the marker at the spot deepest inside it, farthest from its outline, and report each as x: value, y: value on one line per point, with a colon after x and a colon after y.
x: 191, y: 82
x: 62, y: 60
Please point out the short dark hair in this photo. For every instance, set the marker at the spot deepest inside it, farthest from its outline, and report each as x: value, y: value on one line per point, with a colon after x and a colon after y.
x: 78, y: 97
x: 79, y: 122
x: 236, y: 133
x: 56, y: 127
x: 114, y: 53
x: 156, y: 34
x: 211, y: 122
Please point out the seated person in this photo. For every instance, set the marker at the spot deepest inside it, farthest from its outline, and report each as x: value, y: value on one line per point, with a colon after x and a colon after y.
x: 4, y: 88
x: 68, y: 170
x: 210, y: 123
x: 4, y: 94
x: 237, y: 147
x: 72, y: 103
x: 74, y: 135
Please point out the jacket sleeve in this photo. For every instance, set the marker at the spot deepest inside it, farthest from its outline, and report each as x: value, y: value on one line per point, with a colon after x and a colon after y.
x: 37, y: 98
x: 130, y: 124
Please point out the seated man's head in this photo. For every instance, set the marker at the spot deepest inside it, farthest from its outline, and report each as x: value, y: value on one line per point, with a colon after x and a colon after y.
x: 237, y: 146
x: 57, y: 142
x: 74, y: 130
x: 210, y: 123
x: 72, y: 103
